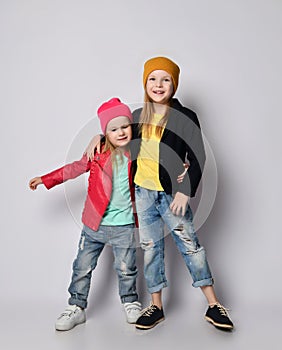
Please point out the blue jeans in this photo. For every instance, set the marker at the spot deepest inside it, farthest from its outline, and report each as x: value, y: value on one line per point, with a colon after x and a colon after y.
x: 91, y: 244
x: 153, y: 212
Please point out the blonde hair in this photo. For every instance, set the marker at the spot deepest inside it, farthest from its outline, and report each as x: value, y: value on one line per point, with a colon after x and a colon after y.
x: 115, y: 151
x: 146, y: 117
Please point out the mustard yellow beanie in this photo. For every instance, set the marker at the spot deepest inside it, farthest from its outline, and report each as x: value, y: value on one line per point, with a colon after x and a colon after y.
x: 161, y: 63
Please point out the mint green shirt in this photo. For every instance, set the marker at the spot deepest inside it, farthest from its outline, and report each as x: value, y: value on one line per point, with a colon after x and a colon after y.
x: 119, y: 211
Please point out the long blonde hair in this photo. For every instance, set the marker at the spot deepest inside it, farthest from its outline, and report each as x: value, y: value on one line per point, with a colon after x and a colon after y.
x: 115, y: 152
x: 146, y: 117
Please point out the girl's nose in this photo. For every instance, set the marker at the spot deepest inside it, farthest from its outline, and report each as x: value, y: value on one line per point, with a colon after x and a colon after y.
x: 120, y: 131
x: 159, y: 83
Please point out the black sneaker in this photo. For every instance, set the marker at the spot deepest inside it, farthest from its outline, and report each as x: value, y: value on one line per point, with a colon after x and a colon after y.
x: 218, y: 316
x: 150, y: 317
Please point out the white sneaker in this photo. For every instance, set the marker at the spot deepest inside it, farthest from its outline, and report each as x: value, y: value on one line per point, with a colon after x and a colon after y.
x: 72, y: 316
x: 132, y: 311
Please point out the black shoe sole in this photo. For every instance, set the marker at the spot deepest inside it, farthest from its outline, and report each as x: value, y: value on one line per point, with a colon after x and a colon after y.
x: 219, y: 325
x: 139, y: 326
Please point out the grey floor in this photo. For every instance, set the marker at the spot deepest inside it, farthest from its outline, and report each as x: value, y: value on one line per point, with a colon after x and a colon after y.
x: 31, y: 326
x: 27, y: 322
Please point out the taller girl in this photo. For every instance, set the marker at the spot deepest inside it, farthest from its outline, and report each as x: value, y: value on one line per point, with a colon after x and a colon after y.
x: 165, y: 136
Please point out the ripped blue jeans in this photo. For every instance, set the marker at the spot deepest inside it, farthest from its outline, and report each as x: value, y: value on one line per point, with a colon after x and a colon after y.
x: 91, y: 244
x: 153, y: 213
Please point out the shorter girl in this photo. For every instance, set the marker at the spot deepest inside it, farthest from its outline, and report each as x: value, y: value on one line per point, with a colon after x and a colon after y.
x: 107, y: 216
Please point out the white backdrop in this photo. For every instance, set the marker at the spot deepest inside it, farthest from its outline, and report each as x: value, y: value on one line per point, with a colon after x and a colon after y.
x: 59, y: 61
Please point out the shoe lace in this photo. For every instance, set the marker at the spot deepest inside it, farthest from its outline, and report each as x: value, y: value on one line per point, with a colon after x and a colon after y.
x: 67, y: 313
x: 149, y: 310
x: 223, y: 310
x: 132, y: 307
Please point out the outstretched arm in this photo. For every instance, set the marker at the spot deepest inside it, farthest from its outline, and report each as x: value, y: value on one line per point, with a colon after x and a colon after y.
x: 67, y: 172
x: 58, y: 176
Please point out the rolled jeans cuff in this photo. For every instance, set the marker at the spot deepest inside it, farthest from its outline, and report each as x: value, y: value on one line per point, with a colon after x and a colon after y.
x: 129, y: 299
x: 157, y: 288
x: 80, y: 303
x: 203, y: 283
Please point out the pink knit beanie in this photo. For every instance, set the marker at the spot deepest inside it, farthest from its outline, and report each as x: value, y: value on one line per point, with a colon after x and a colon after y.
x: 112, y: 109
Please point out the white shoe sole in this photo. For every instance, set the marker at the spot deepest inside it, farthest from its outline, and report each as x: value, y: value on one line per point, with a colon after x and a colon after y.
x: 59, y: 327
x: 220, y: 325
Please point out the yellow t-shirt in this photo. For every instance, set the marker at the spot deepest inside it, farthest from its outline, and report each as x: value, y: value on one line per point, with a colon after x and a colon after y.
x: 147, y: 174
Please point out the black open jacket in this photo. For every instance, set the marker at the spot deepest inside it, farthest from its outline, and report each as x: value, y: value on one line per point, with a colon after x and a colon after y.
x: 181, y: 141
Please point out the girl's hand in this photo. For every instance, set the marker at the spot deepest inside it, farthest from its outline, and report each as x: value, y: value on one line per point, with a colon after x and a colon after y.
x: 179, y: 204
x: 33, y: 183
x: 181, y: 176
x: 93, y: 144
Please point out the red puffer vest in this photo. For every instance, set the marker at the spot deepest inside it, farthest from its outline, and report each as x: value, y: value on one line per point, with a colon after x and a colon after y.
x: 99, y: 185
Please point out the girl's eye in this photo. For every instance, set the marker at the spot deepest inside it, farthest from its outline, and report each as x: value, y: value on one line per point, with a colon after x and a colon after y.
x: 113, y: 130
x: 152, y: 79
x: 125, y: 126
x: 167, y: 79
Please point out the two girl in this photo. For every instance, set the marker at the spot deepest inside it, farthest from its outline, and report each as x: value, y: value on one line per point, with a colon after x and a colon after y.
x: 108, y: 216
x: 165, y: 136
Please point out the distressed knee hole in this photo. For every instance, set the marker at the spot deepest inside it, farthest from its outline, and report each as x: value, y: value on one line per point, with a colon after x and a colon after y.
x: 123, y: 268
x: 81, y: 246
x: 147, y: 245
x: 194, y: 251
x: 186, y: 240
x: 191, y: 252
x: 180, y: 231
x: 179, y: 228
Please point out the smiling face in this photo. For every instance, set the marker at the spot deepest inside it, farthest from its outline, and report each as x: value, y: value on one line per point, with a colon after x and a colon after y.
x: 159, y: 86
x: 119, y: 131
